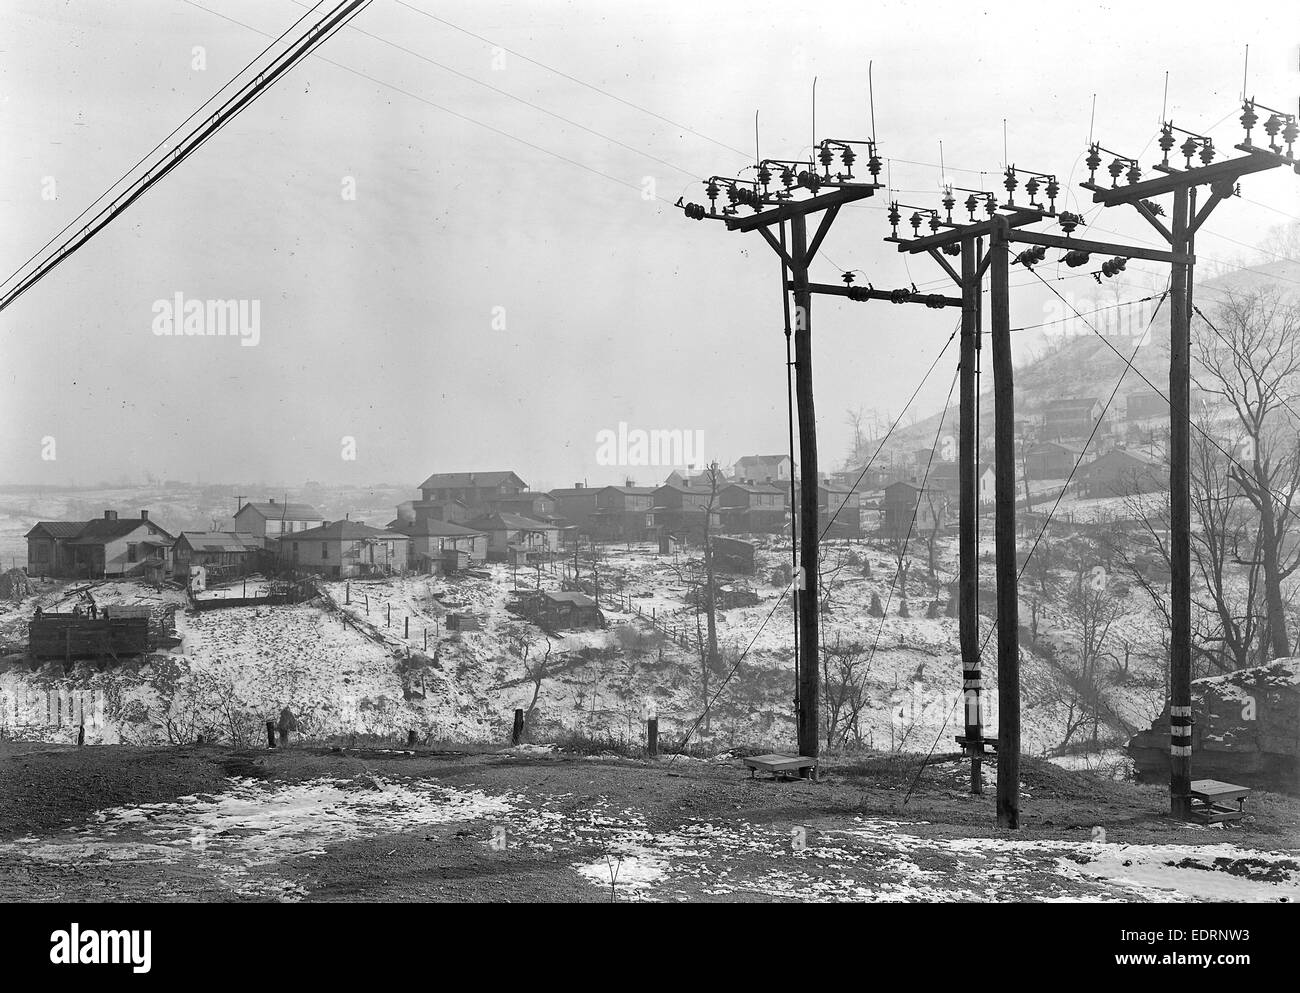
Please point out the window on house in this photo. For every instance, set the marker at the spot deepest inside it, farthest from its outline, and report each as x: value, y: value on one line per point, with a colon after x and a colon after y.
x: 324, y: 550
x: 41, y: 551
x: 132, y: 550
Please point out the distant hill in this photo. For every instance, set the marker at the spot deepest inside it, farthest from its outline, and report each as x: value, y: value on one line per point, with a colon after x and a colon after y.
x: 1078, y: 363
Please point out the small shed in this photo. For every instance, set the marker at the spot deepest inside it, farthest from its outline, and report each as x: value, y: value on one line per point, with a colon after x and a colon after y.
x: 569, y: 609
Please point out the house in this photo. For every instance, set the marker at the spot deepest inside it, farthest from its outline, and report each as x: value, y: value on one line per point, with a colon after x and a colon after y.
x: 1050, y: 460
x: 340, y: 549
x: 756, y: 508
x: 984, y: 484
x: 908, y: 509
x: 451, y: 511
x: 1071, y: 418
x: 107, y: 546
x: 521, y: 537
x: 1143, y: 404
x: 843, y: 506
x: 686, y: 509
x: 567, y: 609
x: 220, y: 553
x: 577, y: 505
x: 474, y: 489
x: 945, y: 476
x: 525, y: 503
x: 764, y: 468
x: 49, y: 548
x: 1120, y: 473
x: 624, y: 513
x: 270, y: 519
x: 442, y: 545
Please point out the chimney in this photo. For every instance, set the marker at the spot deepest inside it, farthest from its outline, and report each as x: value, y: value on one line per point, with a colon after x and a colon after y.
x: 271, y: 500
x: 144, y: 515
x: 110, y: 515
x: 629, y: 482
x: 577, y: 486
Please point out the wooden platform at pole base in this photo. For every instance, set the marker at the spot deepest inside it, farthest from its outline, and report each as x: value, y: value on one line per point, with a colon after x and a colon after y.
x: 780, y: 765
x: 1211, y: 801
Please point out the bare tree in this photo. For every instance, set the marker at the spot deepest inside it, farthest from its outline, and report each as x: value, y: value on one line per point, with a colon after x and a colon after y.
x: 1249, y: 359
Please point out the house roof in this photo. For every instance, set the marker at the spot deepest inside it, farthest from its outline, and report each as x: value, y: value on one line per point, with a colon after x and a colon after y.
x: 1072, y: 403
x: 103, y: 530
x: 632, y: 490
x: 430, y: 528
x: 761, y: 459
x: 220, y: 541
x: 1121, y: 456
x: 524, y: 495
x: 573, y: 491
x: 58, y: 529
x: 282, y: 511
x: 755, y: 488
x: 340, y: 531
x: 468, y: 480
x: 569, y: 596
x: 510, y: 522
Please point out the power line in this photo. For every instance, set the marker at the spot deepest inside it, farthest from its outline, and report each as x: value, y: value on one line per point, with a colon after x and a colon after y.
x: 519, y: 99
x: 160, y: 144
x: 453, y: 113
x: 322, y: 31
x: 572, y: 79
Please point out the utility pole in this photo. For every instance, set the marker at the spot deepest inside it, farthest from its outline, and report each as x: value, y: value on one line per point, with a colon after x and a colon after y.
x: 1004, y: 491
x: 776, y: 196
x: 967, y: 513
x: 1222, y: 179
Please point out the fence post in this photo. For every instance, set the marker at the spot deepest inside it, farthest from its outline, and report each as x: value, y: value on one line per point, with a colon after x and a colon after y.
x: 426, y: 639
x: 517, y: 734
x: 406, y: 632
x: 367, y: 604
x: 388, y: 619
x: 270, y: 734
x: 410, y: 738
x: 652, y: 737
x: 347, y: 593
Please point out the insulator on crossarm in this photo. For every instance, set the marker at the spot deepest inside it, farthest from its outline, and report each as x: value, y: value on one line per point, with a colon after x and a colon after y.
x: 1207, y: 151
x: 972, y: 205
x: 894, y: 217
x: 1271, y: 127
x: 695, y: 211
x: 1289, y: 134
x: 849, y: 157
x: 1248, y: 119
x: 1188, y: 149
x: 1031, y: 187
x: 1166, y: 141
x: 1075, y: 258
x: 1113, y: 267
x: 935, y: 301
x: 1053, y: 188
x: 1010, y: 182
x: 1115, y: 169
x: 860, y: 294
x: 915, y: 221
x: 1134, y: 173
x: 1093, y: 161
x: 952, y: 248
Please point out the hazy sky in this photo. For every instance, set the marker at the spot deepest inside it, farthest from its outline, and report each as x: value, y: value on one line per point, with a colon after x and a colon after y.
x: 377, y: 313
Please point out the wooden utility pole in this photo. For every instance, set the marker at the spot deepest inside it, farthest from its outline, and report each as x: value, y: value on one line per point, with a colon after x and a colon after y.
x: 773, y: 208
x: 1180, y: 519
x: 809, y: 553
x: 967, y: 514
x: 1185, y: 219
x: 1004, y: 494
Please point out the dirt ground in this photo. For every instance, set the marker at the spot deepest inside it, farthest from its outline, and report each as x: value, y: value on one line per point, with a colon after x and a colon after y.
x: 313, y: 824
